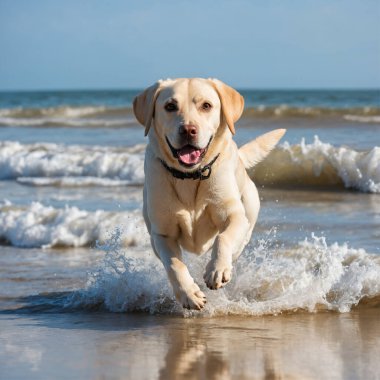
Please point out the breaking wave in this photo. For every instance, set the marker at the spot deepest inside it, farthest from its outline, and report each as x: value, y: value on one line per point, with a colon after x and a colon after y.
x: 43, y: 226
x: 312, y: 276
x: 320, y: 165
x: 317, y: 164
x: 74, y: 181
x: 64, y: 112
x: 98, y: 116
x: 67, y: 116
x: 358, y: 114
x: 55, y: 164
x: 363, y: 119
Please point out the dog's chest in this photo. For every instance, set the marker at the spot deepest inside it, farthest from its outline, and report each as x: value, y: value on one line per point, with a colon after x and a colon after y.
x: 197, y: 230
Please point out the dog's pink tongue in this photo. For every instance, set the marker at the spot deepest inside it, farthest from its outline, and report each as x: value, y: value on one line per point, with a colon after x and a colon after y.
x: 189, y: 155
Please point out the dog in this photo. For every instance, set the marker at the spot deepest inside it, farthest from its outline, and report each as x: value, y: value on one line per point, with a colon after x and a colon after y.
x: 198, y: 196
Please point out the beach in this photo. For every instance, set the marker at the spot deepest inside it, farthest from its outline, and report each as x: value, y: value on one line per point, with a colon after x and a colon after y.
x: 111, y: 346
x: 82, y: 294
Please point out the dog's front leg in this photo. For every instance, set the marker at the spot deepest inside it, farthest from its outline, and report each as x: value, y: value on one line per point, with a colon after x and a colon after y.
x: 185, y: 289
x: 227, y: 247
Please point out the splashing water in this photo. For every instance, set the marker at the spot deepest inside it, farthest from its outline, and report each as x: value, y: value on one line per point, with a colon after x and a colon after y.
x: 268, y: 279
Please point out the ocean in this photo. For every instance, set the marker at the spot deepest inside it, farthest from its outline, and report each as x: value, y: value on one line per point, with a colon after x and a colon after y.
x: 76, y: 264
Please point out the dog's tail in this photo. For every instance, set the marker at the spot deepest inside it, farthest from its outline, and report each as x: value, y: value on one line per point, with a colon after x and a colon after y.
x: 255, y: 151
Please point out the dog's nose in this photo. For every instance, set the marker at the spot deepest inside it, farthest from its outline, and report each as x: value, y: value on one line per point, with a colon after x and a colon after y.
x: 188, y: 130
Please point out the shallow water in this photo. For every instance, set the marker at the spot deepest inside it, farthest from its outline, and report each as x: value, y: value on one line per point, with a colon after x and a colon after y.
x: 98, y: 345
x: 75, y: 252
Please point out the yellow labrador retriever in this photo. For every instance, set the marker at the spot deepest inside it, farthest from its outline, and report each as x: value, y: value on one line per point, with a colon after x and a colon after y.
x: 197, y: 194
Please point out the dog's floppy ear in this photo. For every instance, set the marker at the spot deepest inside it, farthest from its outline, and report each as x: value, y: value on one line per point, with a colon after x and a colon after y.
x: 232, y: 103
x: 143, y: 105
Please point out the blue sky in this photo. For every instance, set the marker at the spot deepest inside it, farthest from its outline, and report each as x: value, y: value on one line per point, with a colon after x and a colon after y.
x: 129, y: 44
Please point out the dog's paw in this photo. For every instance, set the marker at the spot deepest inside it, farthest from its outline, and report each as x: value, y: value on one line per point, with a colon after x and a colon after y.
x: 192, y: 298
x: 217, y: 274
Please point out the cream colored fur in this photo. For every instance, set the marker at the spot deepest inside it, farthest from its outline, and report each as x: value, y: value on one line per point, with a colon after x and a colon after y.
x: 217, y: 214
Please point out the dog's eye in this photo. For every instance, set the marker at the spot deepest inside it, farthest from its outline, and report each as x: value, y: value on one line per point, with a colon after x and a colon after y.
x: 171, y: 107
x: 206, y: 106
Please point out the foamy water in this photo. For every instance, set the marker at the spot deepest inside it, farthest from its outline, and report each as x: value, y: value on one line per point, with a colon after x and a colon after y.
x: 363, y: 119
x: 44, y: 226
x: 67, y: 116
x: 111, y: 116
x: 77, y: 183
x: 304, y: 164
x: 268, y: 279
x: 57, y: 160
x: 321, y: 164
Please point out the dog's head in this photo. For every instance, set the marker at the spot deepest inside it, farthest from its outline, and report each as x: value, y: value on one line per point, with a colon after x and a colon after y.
x: 186, y: 115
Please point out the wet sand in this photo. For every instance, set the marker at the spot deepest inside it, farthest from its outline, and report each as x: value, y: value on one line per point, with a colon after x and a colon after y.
x: 324, y: 345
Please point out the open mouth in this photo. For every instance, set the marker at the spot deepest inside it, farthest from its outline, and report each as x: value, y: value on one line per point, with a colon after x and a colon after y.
x: 188, y: 155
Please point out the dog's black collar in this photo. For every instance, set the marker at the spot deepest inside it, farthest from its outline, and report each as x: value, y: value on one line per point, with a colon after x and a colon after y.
x: 196, y: 174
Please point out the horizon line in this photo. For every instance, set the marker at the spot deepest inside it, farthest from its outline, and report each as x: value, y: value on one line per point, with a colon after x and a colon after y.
x: 237, y: 88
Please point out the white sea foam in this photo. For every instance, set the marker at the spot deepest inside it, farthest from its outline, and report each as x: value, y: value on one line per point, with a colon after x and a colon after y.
x: 73, y: 181
x: 72, y: 122
x: 93, y: 116
x: 363, y: 119
x: 55, y: 160
x: 317, y: 164
x: 37, y: 225
x: 85, y: 116
x: 62, y: 111
x: 321, y: 164
x: 267, y: 280
x: 361, y: 114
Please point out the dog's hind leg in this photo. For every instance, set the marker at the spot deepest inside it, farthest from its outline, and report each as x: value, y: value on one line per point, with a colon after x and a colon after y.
x: 251, y: 202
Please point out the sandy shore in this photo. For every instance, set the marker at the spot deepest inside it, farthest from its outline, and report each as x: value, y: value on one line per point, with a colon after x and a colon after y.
x: 138, y: 346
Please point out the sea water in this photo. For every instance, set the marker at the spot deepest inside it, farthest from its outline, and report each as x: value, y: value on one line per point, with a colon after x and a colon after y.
x: 71, y: 177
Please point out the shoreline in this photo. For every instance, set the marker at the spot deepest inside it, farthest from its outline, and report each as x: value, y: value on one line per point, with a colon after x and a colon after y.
x: 290, y: 346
